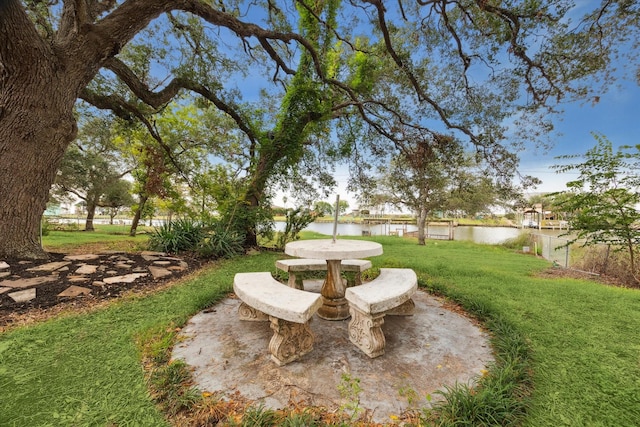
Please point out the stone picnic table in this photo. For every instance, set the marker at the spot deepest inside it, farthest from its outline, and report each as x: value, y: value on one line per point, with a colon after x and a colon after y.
x: 335, y: 306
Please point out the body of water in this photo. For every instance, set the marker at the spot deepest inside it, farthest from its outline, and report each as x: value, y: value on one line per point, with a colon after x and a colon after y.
x: 477, y: 234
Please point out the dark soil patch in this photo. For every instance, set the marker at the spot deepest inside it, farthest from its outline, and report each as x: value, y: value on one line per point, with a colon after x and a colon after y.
x: 47, y: 301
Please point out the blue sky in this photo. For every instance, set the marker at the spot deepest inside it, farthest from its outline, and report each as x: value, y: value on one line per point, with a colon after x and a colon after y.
x: 616, y: 116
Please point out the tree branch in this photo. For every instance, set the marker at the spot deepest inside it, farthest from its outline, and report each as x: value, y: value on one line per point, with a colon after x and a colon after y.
x: 158, y: 99
x: 422, y: 95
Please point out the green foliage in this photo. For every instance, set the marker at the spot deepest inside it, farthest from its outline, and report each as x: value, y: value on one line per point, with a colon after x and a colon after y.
x: 208, y: 238
x: 296, y: 220
x: 220, y: 241
x: 181, y: 235
x: 364, y: 68
x: 304, y: 419
x: 523, y: 239
x: 117, y: 196
x: 259, y: 416
x: 45, y: 226
x: 350, y: 391
x: 602, y: 202
x: 323, y: 208
x: 169, y: 383
x: 92, y: 168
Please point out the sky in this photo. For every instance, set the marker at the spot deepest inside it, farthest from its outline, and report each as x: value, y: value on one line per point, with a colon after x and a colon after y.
x: 616, y: 116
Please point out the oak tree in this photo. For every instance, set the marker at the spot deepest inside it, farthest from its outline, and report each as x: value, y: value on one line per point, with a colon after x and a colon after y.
x: 91, y: 167
x: 434, y: 65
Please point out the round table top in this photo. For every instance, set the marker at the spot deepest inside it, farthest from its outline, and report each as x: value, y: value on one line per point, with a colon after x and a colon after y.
x: 329, y: 250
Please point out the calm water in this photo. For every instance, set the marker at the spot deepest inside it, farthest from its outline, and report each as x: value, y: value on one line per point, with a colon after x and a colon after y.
x: 487, y: 235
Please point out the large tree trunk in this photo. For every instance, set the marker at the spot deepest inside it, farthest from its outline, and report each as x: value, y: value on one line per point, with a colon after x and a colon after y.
x: 41, y: 77
x: 36, y: 126
x: 252, y: 204
x: 421, y: 221
x: 138, y: 215
x: 91, y: 213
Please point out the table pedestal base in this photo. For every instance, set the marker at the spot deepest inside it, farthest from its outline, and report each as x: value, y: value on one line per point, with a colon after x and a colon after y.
x: 334, y: 309
x: 335, y: 306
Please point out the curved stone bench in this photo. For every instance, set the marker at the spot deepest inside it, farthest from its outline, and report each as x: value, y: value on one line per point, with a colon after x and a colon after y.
x: 298, y: 265
x: 389, y: 293
x: 288, y: 309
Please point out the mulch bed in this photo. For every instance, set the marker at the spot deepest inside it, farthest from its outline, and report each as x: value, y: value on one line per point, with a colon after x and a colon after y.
x: 47, y: 303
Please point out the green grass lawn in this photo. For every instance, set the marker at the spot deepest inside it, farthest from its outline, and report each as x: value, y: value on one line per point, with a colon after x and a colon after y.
x: 105, y: 237
x: 582, y: 338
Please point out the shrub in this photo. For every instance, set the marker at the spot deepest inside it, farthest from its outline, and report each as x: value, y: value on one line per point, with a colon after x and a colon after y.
x: 207, y: 239
x: 605, y: 260
x: 518, y: 242
x: 219, y: 241
x: 181, y: 235
x: 45, y: 226
x: 296, y: 220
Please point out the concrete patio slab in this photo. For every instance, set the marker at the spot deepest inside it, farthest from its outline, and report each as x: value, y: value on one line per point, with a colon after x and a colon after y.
x: 434, y: 348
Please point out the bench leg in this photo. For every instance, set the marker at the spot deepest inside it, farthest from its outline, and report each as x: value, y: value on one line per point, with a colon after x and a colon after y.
x: 246, y: 312
x: 290, y: 340
x: 366, y: 333
x: 358, y: 279
x: 295, y: 281
x: 407, y: 308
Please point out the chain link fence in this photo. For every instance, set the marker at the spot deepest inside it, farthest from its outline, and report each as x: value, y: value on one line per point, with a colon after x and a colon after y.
x: 552, y: 248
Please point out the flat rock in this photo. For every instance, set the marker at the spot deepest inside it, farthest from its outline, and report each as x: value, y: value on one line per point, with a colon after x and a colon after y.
x: 4, y: 274
x: 87, y: 269
x: 128, y: 278
x: 50, y: 266
x: 81, y: 257
x: 123, y: 265
x: 159, y: 272
x: 23, y: 296
x: 74, y: 291
x: 77, y: 279
x: 152, y: 253
x: 27, y: 283
x: 4, y: 265
x: 3, y: 290
x: 160, y: 262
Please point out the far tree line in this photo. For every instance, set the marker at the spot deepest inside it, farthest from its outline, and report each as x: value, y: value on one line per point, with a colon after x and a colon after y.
x: 110, y: 166
x: 431, y: 176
